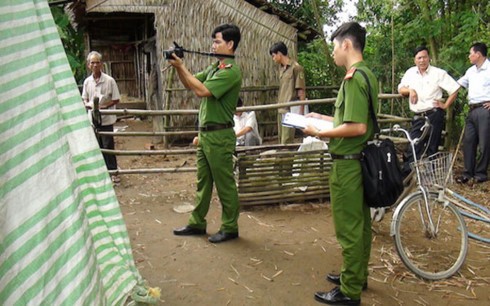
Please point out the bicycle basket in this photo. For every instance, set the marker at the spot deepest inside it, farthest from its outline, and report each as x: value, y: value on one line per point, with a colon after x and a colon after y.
x: 434, y: 169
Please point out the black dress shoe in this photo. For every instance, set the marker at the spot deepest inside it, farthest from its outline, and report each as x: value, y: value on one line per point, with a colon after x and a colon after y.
x: 335, y: 279
x: 335, y: 297
x: 480, y: 180
x: 189, y: 231
x: 222, y: 236
x: 462, y: 180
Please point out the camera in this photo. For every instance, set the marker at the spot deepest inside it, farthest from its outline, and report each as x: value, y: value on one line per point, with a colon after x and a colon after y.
x: 178, y: 50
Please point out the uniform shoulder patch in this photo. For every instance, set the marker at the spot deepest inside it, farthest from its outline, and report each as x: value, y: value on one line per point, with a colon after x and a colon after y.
x: 350, y: 73
x: 223, y: 66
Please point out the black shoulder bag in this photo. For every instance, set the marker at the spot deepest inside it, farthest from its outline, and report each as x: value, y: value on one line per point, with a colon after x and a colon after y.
x: 381, y: 173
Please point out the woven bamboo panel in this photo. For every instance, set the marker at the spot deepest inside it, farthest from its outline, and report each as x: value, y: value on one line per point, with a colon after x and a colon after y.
x: 271, y: 177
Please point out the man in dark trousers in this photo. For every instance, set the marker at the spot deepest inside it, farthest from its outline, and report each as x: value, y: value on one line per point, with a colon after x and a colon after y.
x: 477, y: 130
x: 102, y: 87
x: 423, y: 85
x: 218, y: 86
x: 352, y: 130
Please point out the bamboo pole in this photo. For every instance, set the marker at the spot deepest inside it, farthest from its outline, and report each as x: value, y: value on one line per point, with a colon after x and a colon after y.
x: 166, y: 118
x: 148, y: 152
x: 264, y: 88
x: 247, y: 108
x: 149, y: 133
x: 153, y: 170
x: 285, y: 199
x: 280, y: 186
x: 282, y: 194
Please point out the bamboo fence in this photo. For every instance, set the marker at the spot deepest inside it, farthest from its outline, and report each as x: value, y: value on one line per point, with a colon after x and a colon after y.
x: 282, y: 176
x: 264, y: 174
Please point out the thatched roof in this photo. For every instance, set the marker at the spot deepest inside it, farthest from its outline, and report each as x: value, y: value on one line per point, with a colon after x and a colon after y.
x: 305, y: 31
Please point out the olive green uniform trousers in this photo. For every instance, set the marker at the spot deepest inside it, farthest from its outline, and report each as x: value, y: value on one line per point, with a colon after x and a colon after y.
x: 215, y: 165
x: 352, y: 221
x: 285, y: 134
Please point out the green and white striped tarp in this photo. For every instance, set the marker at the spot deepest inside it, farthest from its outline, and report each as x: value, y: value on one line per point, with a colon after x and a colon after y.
x: 63, y: 240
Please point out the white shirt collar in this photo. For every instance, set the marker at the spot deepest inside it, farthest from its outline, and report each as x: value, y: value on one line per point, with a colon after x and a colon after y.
x: 484, y: 66
x: 426, y: 70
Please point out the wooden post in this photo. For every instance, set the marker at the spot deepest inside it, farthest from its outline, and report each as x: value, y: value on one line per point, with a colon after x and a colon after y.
x: 166, y: 118
x: 155, y: 92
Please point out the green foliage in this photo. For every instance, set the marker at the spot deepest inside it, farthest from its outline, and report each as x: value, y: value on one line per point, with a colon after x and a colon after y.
x: 304, y: 11
x: 447, y: 27
x: 395, y: 28
x: 318, y: 73
x: 72, y: 42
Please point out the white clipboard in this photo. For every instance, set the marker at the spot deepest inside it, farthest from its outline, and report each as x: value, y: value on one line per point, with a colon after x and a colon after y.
x: 300, y: 122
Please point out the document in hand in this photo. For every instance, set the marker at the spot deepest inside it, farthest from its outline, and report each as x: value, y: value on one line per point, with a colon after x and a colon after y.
x: 300, y: 122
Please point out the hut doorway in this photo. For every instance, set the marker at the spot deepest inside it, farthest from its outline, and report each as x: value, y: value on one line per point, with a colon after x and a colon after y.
x: 122, y: 39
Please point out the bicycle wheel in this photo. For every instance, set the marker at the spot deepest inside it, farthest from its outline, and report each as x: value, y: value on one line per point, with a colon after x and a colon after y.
x: 431, y: 256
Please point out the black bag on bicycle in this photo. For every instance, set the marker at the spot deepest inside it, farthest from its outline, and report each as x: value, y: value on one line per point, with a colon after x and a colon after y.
x: 381, y: 172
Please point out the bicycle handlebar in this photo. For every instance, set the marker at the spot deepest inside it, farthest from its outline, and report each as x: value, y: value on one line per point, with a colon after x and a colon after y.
x: 397, y: 128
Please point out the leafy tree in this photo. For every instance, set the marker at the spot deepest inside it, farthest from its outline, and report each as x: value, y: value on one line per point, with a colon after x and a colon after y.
x: 447, y: 27
x: 72, y: 40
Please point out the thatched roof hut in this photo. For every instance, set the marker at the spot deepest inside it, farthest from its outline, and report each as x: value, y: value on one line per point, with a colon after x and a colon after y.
x: 132, y: 34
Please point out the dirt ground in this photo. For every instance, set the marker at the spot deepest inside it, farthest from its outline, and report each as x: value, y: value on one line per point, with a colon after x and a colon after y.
x: 282, y: 255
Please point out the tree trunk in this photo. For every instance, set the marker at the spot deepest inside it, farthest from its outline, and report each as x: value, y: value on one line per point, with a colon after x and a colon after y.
x: 320, y: 22
x: 424, y: 8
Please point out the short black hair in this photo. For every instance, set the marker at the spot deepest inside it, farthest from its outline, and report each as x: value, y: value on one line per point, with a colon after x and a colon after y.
x: 230, y: 32
x: 480, y: 47
x: 239, y: 103
x: 419, y: 49
x: 279, y: 47
x: 354, y: 31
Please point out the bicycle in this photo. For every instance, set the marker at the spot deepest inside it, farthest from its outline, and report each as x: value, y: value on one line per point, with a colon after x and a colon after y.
x: 430, y: 234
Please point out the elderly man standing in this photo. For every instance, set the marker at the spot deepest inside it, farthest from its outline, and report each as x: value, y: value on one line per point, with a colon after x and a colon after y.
x: 477, y: 130
x: 104, y: 88
x: 423, y: 84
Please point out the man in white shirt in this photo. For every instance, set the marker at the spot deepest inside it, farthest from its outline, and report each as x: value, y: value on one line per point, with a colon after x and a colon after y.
x: 477, y: 129
x: 246, y: 128
x: 423, y: 84
x: 102, y: 86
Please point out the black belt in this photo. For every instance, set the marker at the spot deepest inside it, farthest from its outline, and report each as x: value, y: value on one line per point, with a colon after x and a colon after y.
x: 475, y: 106
x: 346, y: 156
x: 428, y: 112
x: 215, y: 127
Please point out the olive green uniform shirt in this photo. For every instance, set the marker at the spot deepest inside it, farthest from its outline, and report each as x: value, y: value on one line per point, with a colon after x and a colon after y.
x: 352, y: 106
x: 291, y: 79
x: 224, y: 82
x: 351, y: 216
x: 215, y: 149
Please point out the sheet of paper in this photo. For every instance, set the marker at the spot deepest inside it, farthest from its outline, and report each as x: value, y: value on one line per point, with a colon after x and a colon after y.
x: 300, y: 122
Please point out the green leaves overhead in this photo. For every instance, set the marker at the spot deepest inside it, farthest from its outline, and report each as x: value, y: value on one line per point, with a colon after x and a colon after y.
x: 72, y: 42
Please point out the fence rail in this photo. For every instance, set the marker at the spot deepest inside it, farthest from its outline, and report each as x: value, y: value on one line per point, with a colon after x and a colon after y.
x: 285, y: 175
x: 383, y: 118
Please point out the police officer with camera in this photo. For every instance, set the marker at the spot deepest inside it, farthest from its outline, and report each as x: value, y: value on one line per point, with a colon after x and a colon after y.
x: 218, y: 87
